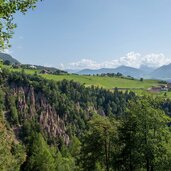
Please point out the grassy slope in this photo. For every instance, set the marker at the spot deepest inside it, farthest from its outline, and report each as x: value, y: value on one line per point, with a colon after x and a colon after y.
x: 110, y: 82
x: 105, y: 82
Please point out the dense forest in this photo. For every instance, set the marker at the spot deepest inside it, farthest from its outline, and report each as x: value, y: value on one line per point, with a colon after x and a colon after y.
x: 64, y: 126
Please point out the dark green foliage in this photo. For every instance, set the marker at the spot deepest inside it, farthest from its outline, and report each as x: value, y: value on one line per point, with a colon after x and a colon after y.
x: 141, y: 79
x: 99, y: 143
x: 28, y: 131
x: 13, y: 113
x: 7, y: 11
x: 118, y: 75
x: 74, y: 102
x: 105, y: 130
x: 143, y: 136
x: 7, y: 62
x: 40, y: 157
x: 166, y: 106
x: 1, y: 100
x: 12, y: 153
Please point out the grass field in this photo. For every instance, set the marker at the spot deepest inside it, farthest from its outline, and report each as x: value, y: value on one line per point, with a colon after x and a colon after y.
x: 105, y: 82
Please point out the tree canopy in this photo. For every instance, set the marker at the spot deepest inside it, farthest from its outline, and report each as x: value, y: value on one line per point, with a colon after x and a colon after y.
x: 7, y: 10
x: 65, y: 126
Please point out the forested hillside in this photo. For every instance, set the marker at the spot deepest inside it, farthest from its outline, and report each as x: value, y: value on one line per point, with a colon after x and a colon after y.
x: 64, y: 126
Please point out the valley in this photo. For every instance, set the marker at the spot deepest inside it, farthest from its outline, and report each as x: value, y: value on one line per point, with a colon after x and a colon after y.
x: 122, y: 83
x: 90, y: 88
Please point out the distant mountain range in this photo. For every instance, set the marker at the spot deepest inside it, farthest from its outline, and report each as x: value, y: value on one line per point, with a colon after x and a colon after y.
x: 146, y: 69
x: 125, y: 70
x: 72, y: 70
x: 4, y: 57
x: 163, y: 72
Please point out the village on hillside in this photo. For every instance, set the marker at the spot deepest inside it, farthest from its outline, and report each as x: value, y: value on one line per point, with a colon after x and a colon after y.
x: 160, y: 88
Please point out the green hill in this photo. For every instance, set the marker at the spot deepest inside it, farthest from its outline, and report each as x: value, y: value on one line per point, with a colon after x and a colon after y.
x: 100, y: 81
x: 4, y: 57
x: 105, y: 82
x: 49, y: 69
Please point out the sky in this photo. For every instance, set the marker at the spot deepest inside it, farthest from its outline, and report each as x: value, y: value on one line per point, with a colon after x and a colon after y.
x: 78, y: 34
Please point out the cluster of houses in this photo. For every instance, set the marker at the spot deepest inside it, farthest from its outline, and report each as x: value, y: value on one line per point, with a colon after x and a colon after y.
x: 153, y: 89
x: 43, y: 71
x: 160, y: 88
x: 24, y: 66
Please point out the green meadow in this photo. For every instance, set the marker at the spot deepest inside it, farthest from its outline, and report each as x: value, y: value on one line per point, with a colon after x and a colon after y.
x: 105, y: 82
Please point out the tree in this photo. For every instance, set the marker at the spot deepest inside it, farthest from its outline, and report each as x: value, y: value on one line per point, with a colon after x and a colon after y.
x: 74, y: 146
x: 1, y: 101
x: 141, y: 79
x: 143, y: 136
x: 13, y: 114
x: 41, y: 158
x: 99, y: 143
x: 7, y: 62
x: 12, y: 153
x: 7, y: 11
x: 64, y: 163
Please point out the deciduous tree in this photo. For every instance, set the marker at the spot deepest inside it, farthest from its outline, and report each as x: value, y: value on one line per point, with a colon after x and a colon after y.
x: 7, y: 10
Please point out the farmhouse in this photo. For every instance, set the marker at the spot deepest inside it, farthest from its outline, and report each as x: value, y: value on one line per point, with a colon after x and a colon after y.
x: 156, y: 89
x: 169, y: 86
x: 16, y: 66
x: 164, y: 88
x: 32, y: 67
x: 44, y: 71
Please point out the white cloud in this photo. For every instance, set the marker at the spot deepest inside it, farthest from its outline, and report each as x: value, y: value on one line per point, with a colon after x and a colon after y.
x: 85, y: 63
x: 155, y: 60
x: 131, y: 59
x: 8, y: 51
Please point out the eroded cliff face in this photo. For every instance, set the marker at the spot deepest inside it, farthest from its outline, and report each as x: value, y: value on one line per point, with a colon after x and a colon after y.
x: 31, y: 104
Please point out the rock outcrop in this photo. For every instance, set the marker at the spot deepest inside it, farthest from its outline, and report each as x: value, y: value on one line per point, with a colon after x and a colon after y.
x: 34, y: 105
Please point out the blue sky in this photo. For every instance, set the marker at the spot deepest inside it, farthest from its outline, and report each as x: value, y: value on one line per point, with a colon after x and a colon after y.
x: 94, y: 33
